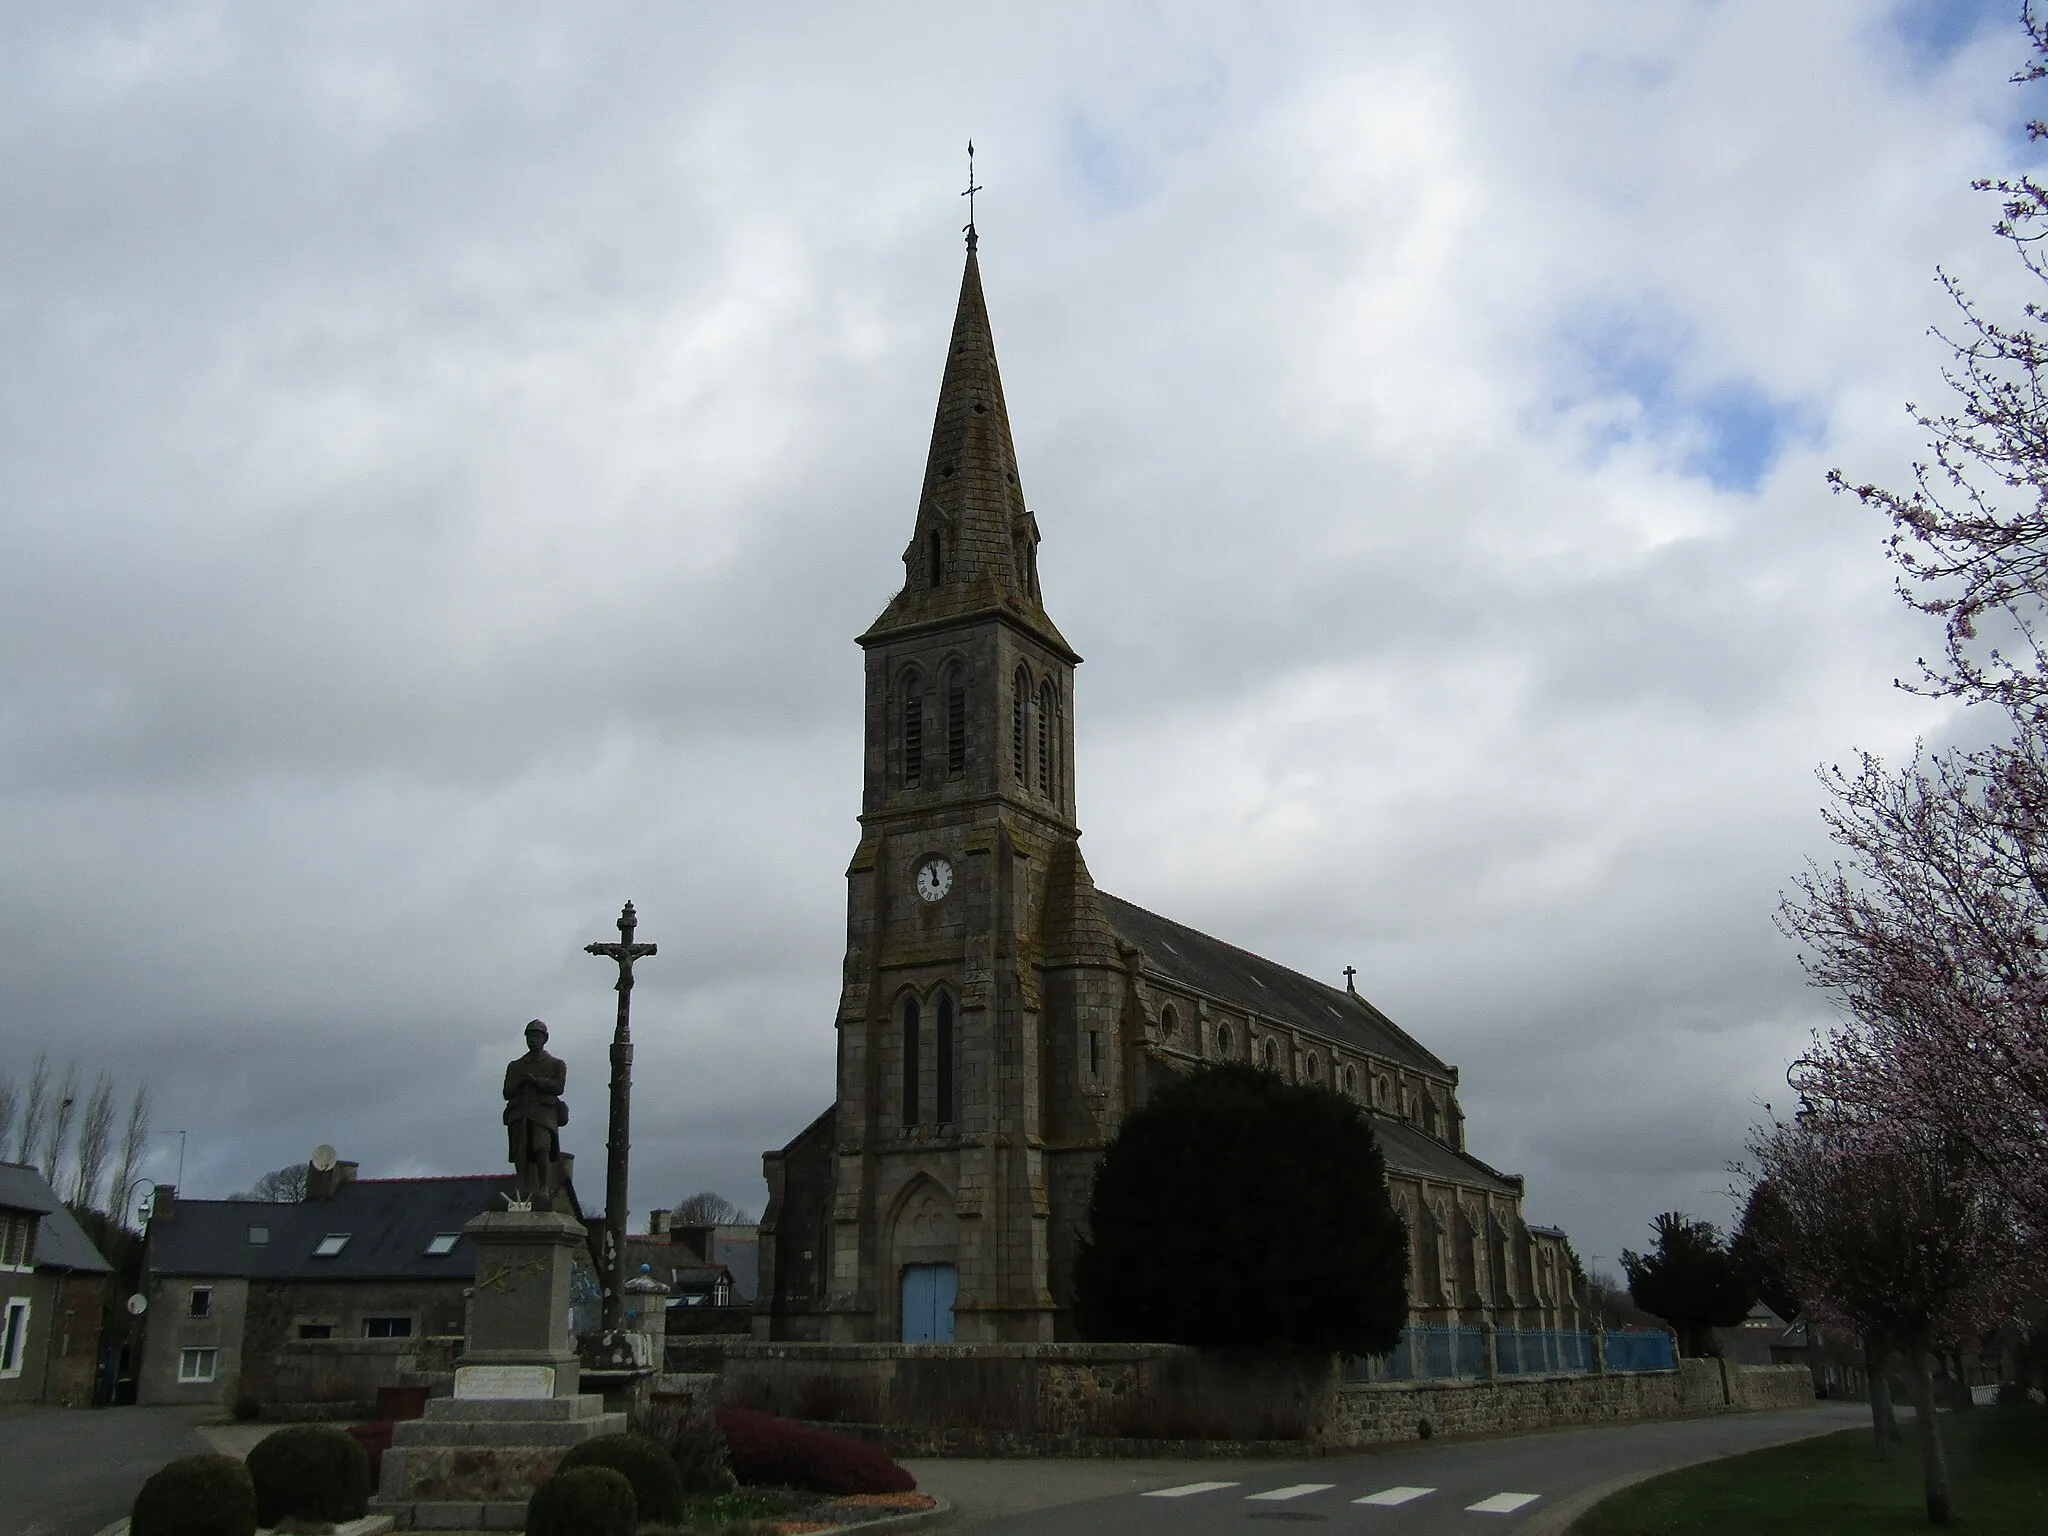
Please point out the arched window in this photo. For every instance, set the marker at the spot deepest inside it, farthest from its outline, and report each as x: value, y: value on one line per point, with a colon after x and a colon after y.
x: 1020, y: 707
x: 1351, y: 1080
x: 1315, y: 1068
x: 1045, y: 738
x: 1271, y: 1056
x: 935, y: 556
x: 1222, y: 1039
x: 944, y: 1062
x: 913, y: 729
x: 956, y: 722
x: 911, y: 1045
x: 1169, y: 1022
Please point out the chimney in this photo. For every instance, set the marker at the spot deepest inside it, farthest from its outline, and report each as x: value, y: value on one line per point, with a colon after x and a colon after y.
x: 162, y: 1201
x: 323, y: 1183
x: 657, y: 1222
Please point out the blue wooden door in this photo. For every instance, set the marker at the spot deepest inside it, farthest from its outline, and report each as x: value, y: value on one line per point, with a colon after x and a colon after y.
x: 928, y: 1292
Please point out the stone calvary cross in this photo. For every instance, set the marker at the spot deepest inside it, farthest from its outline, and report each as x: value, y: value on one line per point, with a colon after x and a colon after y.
x: 625, y: 952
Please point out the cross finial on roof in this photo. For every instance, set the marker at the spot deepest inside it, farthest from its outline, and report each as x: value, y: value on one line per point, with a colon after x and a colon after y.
x: 1350, y: 979
x: 973, y: 240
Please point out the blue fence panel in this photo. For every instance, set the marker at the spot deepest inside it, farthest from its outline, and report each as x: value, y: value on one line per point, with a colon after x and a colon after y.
x: 1542, y: 1352
x: 1436, y: 1353
x: 1639, y: 1352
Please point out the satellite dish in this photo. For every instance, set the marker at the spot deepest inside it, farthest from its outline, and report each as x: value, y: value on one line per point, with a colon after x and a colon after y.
x: 323, y: 1158
x: 137, y: 1304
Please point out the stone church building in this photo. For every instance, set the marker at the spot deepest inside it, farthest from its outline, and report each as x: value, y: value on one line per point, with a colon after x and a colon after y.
x: 999, y: 1014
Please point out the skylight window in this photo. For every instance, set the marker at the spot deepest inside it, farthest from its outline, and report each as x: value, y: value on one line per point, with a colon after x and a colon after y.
x: 443, y: 1244
x: 259, y: 1234
x: 330, y: 1245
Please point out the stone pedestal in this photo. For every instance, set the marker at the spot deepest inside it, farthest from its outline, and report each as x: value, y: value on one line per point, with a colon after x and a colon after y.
x: 476, y: 1458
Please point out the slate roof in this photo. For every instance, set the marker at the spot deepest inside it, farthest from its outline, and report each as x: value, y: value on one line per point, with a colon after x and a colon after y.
x: 1409, y: 1151
x: 390, y: 1222
x: 1177, y: 953
x: 60, y: 1242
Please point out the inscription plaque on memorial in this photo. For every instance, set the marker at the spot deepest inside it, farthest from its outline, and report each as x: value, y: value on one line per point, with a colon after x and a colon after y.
x: 504, y: 1383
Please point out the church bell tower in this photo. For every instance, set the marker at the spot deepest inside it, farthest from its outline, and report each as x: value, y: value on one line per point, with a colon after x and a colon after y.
x: 942, y: 1187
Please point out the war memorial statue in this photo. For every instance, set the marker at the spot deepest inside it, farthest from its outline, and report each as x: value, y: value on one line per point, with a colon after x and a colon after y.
x: 534, y: 1117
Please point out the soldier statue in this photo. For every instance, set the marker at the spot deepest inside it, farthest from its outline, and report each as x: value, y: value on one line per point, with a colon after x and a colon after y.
x: 534, y: 1117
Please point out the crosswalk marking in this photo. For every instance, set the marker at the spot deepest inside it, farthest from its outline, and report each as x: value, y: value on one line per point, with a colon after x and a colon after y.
x: 1501, y: 1504
x: 1185, y: 1489
x: 1292, y: 1491
x: 1388, y: 1497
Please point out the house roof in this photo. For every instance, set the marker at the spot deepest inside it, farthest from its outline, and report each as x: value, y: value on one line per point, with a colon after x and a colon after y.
x: 1177, y: 953
x: 389, y: 1223
x: 60, y: 1242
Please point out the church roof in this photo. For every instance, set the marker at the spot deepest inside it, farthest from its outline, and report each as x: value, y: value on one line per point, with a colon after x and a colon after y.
x: 1177, y: 953
x: 1410, y: 1151
x: 972, y: 498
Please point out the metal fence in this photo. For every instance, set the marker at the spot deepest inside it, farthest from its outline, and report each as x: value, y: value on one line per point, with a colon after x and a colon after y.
x: 1541, y: 1352
x: 1639, y: 1352
x: 1437, y: 1353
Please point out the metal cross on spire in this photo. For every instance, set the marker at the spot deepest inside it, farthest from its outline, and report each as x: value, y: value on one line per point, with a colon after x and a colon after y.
x: 625, y: 952
x: 973, y: 240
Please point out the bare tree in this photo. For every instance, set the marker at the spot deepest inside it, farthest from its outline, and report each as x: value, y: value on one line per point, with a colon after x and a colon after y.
x: 35, y: 1107
x: 95, y: 1140
x: 282, y: 1186
x: 63, y: 1110
x: 134, y: 1144
x: 10, y: 1102
x: 708, y: 1208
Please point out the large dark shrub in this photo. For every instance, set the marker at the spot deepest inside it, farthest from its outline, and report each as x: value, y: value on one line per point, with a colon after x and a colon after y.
x: 1689, y: 1280
x: 774, y: 1451
x: 583, y: 1501
x: 1236, y: 1210
x: 312, y: 1471
x: 375, y: 1439
x: 196, y: 1496
x: 693, y: 1442
x: 657, y: 1487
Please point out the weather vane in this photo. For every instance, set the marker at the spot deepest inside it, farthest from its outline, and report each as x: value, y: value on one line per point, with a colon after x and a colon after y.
x: 972, y: 187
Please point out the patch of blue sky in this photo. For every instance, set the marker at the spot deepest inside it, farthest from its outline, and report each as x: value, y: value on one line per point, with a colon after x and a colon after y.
x: 1727, y: 430
x: 1932, y: 31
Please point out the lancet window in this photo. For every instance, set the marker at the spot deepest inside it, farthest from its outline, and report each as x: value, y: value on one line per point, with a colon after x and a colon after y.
x: 956, y: 722
x: 1020, y: 710
x: 913, y: 730
x: 912, y: 1047
x: 943, y: 1060
x: 1045, y: 743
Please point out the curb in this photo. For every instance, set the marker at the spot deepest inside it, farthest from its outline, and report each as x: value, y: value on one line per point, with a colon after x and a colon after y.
x: 914, y: 1520
x: 1560, y: 1517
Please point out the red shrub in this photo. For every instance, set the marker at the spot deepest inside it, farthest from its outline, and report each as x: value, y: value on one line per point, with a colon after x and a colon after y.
x: 375, y: 1439
x: 766, y: 1449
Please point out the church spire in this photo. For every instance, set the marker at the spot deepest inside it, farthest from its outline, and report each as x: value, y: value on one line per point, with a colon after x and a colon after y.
x: 975, y: 545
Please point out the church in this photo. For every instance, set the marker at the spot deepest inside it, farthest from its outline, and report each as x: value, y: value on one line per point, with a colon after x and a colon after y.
x: 999, y: 1014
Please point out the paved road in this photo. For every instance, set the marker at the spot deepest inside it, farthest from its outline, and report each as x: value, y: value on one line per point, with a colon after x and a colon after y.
x: 69, y: 1471
x: 1412, y: 1490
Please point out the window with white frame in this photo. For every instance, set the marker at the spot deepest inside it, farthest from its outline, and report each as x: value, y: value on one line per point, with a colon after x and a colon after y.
x: 201, y: 1304
x: 387, y: 1327
x: 197, y: 1364
x: 13, y: 1336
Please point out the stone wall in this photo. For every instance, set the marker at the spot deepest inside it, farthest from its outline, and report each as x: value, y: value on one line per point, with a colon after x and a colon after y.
x: 339, y: 1378
x: 1132, y: 1399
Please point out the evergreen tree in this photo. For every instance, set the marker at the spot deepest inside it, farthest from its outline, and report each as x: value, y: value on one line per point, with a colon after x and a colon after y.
x: 1689, y: 1280
x: 1238, y: 1211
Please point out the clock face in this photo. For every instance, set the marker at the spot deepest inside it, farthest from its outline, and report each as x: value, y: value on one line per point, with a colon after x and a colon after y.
x: 934, y: 879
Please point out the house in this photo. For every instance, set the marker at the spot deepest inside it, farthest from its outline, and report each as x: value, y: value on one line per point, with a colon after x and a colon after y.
x: 311, y: 1309
x: 709, y: 1271
x: 53, y: 1285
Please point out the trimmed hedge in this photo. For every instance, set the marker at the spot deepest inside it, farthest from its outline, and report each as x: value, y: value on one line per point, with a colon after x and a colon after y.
x: 583, y: 1501
x: 766, y: 1449
x: 657, y: 1487
x: 311, y: 1471
x: 196, y: 1496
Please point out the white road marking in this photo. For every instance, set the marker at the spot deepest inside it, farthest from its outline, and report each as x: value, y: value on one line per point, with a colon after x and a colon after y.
x: 1292, y: 1491
x: 1185, y: 1489
x: 1502, y: 1504
x: 1392, y: 1496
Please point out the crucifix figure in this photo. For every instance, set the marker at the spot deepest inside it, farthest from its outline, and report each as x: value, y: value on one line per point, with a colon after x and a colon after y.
x: 625, y: 952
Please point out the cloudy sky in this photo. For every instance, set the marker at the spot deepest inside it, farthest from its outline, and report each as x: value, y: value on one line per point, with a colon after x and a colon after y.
x: 446, y: 451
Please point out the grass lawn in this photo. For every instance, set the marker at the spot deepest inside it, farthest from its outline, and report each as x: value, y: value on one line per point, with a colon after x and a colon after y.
x: 1997, y: 1469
